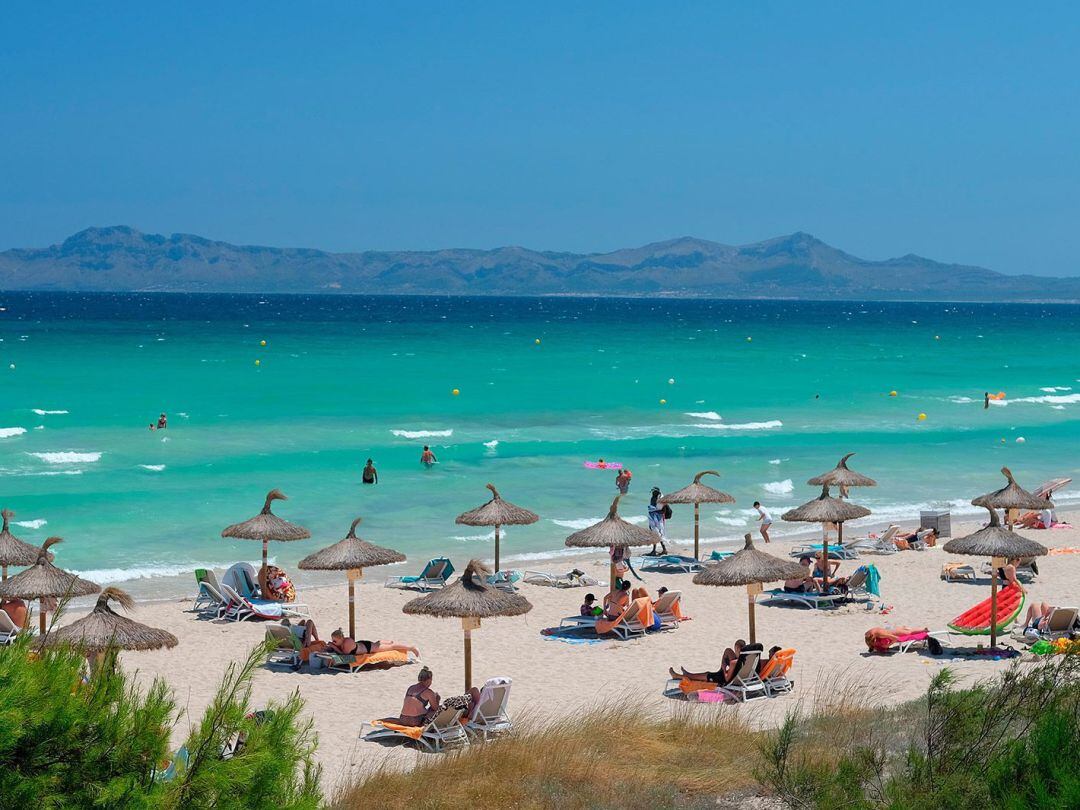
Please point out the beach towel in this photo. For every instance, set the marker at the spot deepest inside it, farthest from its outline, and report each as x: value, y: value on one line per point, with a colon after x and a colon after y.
x: 413, y: 732
x: 687, y: 686
x: 640, y: 608
x: 355, y: 662
x: 873, y: 580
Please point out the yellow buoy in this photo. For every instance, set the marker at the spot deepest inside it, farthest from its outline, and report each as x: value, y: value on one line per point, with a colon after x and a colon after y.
x: 538, y: 341
x: 892, y: 393
x: 922, y: 417
x: 663, y: 402
x: 258, y: 362
x: 262, y: 342
x: 455, y: 392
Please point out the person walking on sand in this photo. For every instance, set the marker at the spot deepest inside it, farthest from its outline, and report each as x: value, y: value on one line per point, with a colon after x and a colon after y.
x: 427, y: 458
x: 370, y: 475
x: 658, y: 515
x: 766, y: 520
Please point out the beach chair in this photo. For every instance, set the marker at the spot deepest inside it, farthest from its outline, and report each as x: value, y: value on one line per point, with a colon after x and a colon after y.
x: 434, y: 576
x: 489, y: 716
x: 908, y: 642
x: 177, y: 764
x: 846, y: 551
x: 775, y: 673
x: 209, y: 598
x: 241, y: 608
x: 579, y: 622
x: 745, y: 685
x: 355, y: 663
x: 956, y: 571
x: 811, y: 600
x: 667, y: 607
x: 718, y: 555
x: 9, y: 631
x: 882, y: 544
x: 571, y: 579
x: 669, y: 563
x: 504, y: 580
x: 286, y: 652
x: 856, y: 585
x: 443, y: 730
x: 1061, y: 623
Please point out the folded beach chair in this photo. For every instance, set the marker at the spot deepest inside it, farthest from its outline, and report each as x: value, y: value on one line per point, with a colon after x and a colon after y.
x: 745, y: 685
x: 504, y: 580
x: 286, y: 652
x: 669, y: 563
x: 810, y: 600
x: 489, y: 716
x: 241, y: 608
x: 669, y: 608
x: 571, y: 579
x: 354, y: 663
x: 443, y: 730
x: 9, y: 631
x: 954, y: 571
x: 775, y: 672
x: 718, y: 555
x: 434, y: 576
x: 209, y: 598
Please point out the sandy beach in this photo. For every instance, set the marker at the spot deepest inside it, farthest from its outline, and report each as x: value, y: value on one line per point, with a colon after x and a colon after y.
x: 552, y: 677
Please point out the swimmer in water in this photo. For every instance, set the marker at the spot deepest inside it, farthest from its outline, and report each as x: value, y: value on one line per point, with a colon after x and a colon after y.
x: 427, y: 458
x: 370, y: 475
x: 162, y: 422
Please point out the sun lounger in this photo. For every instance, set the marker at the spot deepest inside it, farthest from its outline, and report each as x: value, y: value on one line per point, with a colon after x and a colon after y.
x: 882, y: 544
x: 1061, y: 623
x: 434, y: 576
x: 241, y: 608
x: 669, y: 563
x: 579, y: 622
x: 504, y: 580
x: 489, y: 716
x: 857, y: 584
x: 745, y: 685
x: 626, y: 627
x: 775, y: 672
x: 9, y: 631
x: 954, y: 571
x: 209, y: 598
x: 571, y: 579
x: 669, y: 608
x: 286, y: 652
x: 354, y: 663
x: 810, y: 599
x: 718, y: 555
x: 445, y: 729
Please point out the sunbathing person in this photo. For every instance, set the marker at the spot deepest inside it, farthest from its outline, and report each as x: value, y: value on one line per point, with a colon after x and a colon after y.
x: 308, y: 635
x: 729, y: 665
x: 1037, y: 615
x: 343, y: 645
x: 805, y: 583
x: 765, y: 661
x: 909, y: 541
x: 16, y: 610
x: 617, y: 600
x: 880, y: 639
x: 421, y: 701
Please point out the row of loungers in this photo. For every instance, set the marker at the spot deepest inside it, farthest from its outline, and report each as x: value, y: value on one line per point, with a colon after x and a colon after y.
x: 746, y: 684
x: 629, y: 625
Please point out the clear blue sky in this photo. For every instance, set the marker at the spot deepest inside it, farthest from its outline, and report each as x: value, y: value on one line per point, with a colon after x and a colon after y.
x: 949, y: 132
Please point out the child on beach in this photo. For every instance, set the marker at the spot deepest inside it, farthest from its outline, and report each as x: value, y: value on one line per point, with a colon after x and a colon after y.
x: 766, y: 520
x: 370, y: 475
x: 589, y: 606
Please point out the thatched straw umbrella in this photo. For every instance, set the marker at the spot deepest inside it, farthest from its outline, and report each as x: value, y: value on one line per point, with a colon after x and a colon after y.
x: 470, y: 599
x: 351, y: 555
x: 1011, y: 496
x: 497, y: 512
x: 103, y: 629
x: 1000, y: 544
x: 267, y: 526
x: 14, y: 551
x: 611, y: 532
x: 751, y: 568
x: 826, y: 509
x: 43, y: 580
x: 841, y: 476
x: 698, y: 493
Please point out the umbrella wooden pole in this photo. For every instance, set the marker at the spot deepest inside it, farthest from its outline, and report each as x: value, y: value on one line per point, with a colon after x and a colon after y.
x: 41, y: 616
x: 752, y: 590
x: 264, y: 554
x: 468, y: 624
x: 4, y: 573
x: 496, y: 548
x: 995, y: 563
x: 825, y: 556
x: 697, y: 550
x: 354, y: 574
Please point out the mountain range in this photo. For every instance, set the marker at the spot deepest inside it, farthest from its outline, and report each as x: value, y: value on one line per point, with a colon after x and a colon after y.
x: 798, y: 266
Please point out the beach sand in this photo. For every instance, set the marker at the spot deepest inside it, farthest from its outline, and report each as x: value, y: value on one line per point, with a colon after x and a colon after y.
x: 556, y: 678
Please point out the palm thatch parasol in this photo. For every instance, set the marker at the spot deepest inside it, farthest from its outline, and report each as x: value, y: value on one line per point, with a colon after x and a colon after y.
x: 497, y: 512
x: 471, y: 599
x: 44, y: 580
x: 999, y: 544
x: 103, y: 629
x: 267, y: 526
x: 698, y: 493
x: 841, y: 476
x: 611, y: 532
x: 352, y: 555
x: 14, y: 551
x: 751, y: 568
x: 826, y: 509
x: 1011, y: 496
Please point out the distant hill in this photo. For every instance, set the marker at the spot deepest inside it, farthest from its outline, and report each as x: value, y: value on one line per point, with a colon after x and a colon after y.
x: 796, y: 266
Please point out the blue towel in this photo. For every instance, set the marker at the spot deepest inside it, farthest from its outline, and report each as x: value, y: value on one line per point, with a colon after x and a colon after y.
x: 873, y: 580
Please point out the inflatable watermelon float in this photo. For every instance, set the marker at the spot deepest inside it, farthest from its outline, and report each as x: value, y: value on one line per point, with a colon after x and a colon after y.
x: 976, y: 622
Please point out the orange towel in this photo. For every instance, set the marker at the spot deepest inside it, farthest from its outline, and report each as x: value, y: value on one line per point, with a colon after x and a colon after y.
x: 413, y: 732
x: 641, y: 607
x: 687, y: 686
x: 384, y: 657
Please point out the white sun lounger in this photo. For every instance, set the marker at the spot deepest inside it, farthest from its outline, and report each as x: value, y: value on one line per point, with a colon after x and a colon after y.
x: 567, y: 580
x: 443, y: 730
x: 745, y: 685
x: 627, y: 629
x: 9, y: 631
x: 664, y: 608
x: 489, y: 716
x: 810, y: 599
x: 668, y: 563
x: 241, y: 608
x: 209, y: 599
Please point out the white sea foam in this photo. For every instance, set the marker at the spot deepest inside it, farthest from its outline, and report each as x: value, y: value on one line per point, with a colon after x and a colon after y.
x: 43, y: 412
x: 713, y: 415
x: 774, y: 460
x: 961, y: 400
x: 769, y: 425
x: 39, y: 427
x: 153, y: 467
x: 471, y: 538
x: 1050, y: 399
x: 784, y: 487
x: 1055, y: 388
x: 67, y: 457
x: 726, y: 521
x: 492, y: 444
x: 584, y: 523
x: 31, y: 524
x: 109, y: 576
x: 422, y: 434
x: 7, y: 433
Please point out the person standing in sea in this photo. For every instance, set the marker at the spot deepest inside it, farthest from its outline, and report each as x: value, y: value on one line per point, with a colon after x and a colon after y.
x: 427, y: 458
x: 766, y: 520
x: 622, y: 481
x: 370, y: 475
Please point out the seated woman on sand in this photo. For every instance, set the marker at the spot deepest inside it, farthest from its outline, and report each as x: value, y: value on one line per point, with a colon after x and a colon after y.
x: 343, y: 645
x: 617, y: 600
x: 805, y: 583
x: 421, y: 701
x: 729, y: 664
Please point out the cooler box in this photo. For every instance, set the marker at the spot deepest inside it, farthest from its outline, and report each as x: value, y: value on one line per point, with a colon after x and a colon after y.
x: 939, y: 519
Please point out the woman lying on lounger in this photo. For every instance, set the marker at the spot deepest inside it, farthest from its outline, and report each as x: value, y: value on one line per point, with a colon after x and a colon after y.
x: 880, y: 639
x: 729, y: 665
x: 343, y: 645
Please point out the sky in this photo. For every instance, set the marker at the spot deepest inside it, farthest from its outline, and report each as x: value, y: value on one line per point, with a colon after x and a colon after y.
x: 946, y: 130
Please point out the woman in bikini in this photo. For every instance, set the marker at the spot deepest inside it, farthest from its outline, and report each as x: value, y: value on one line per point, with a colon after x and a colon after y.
x: 343, y: 645
x: 421, y: 701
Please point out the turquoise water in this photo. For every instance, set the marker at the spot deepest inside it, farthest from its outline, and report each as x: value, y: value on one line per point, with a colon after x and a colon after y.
x: 345, y: 378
